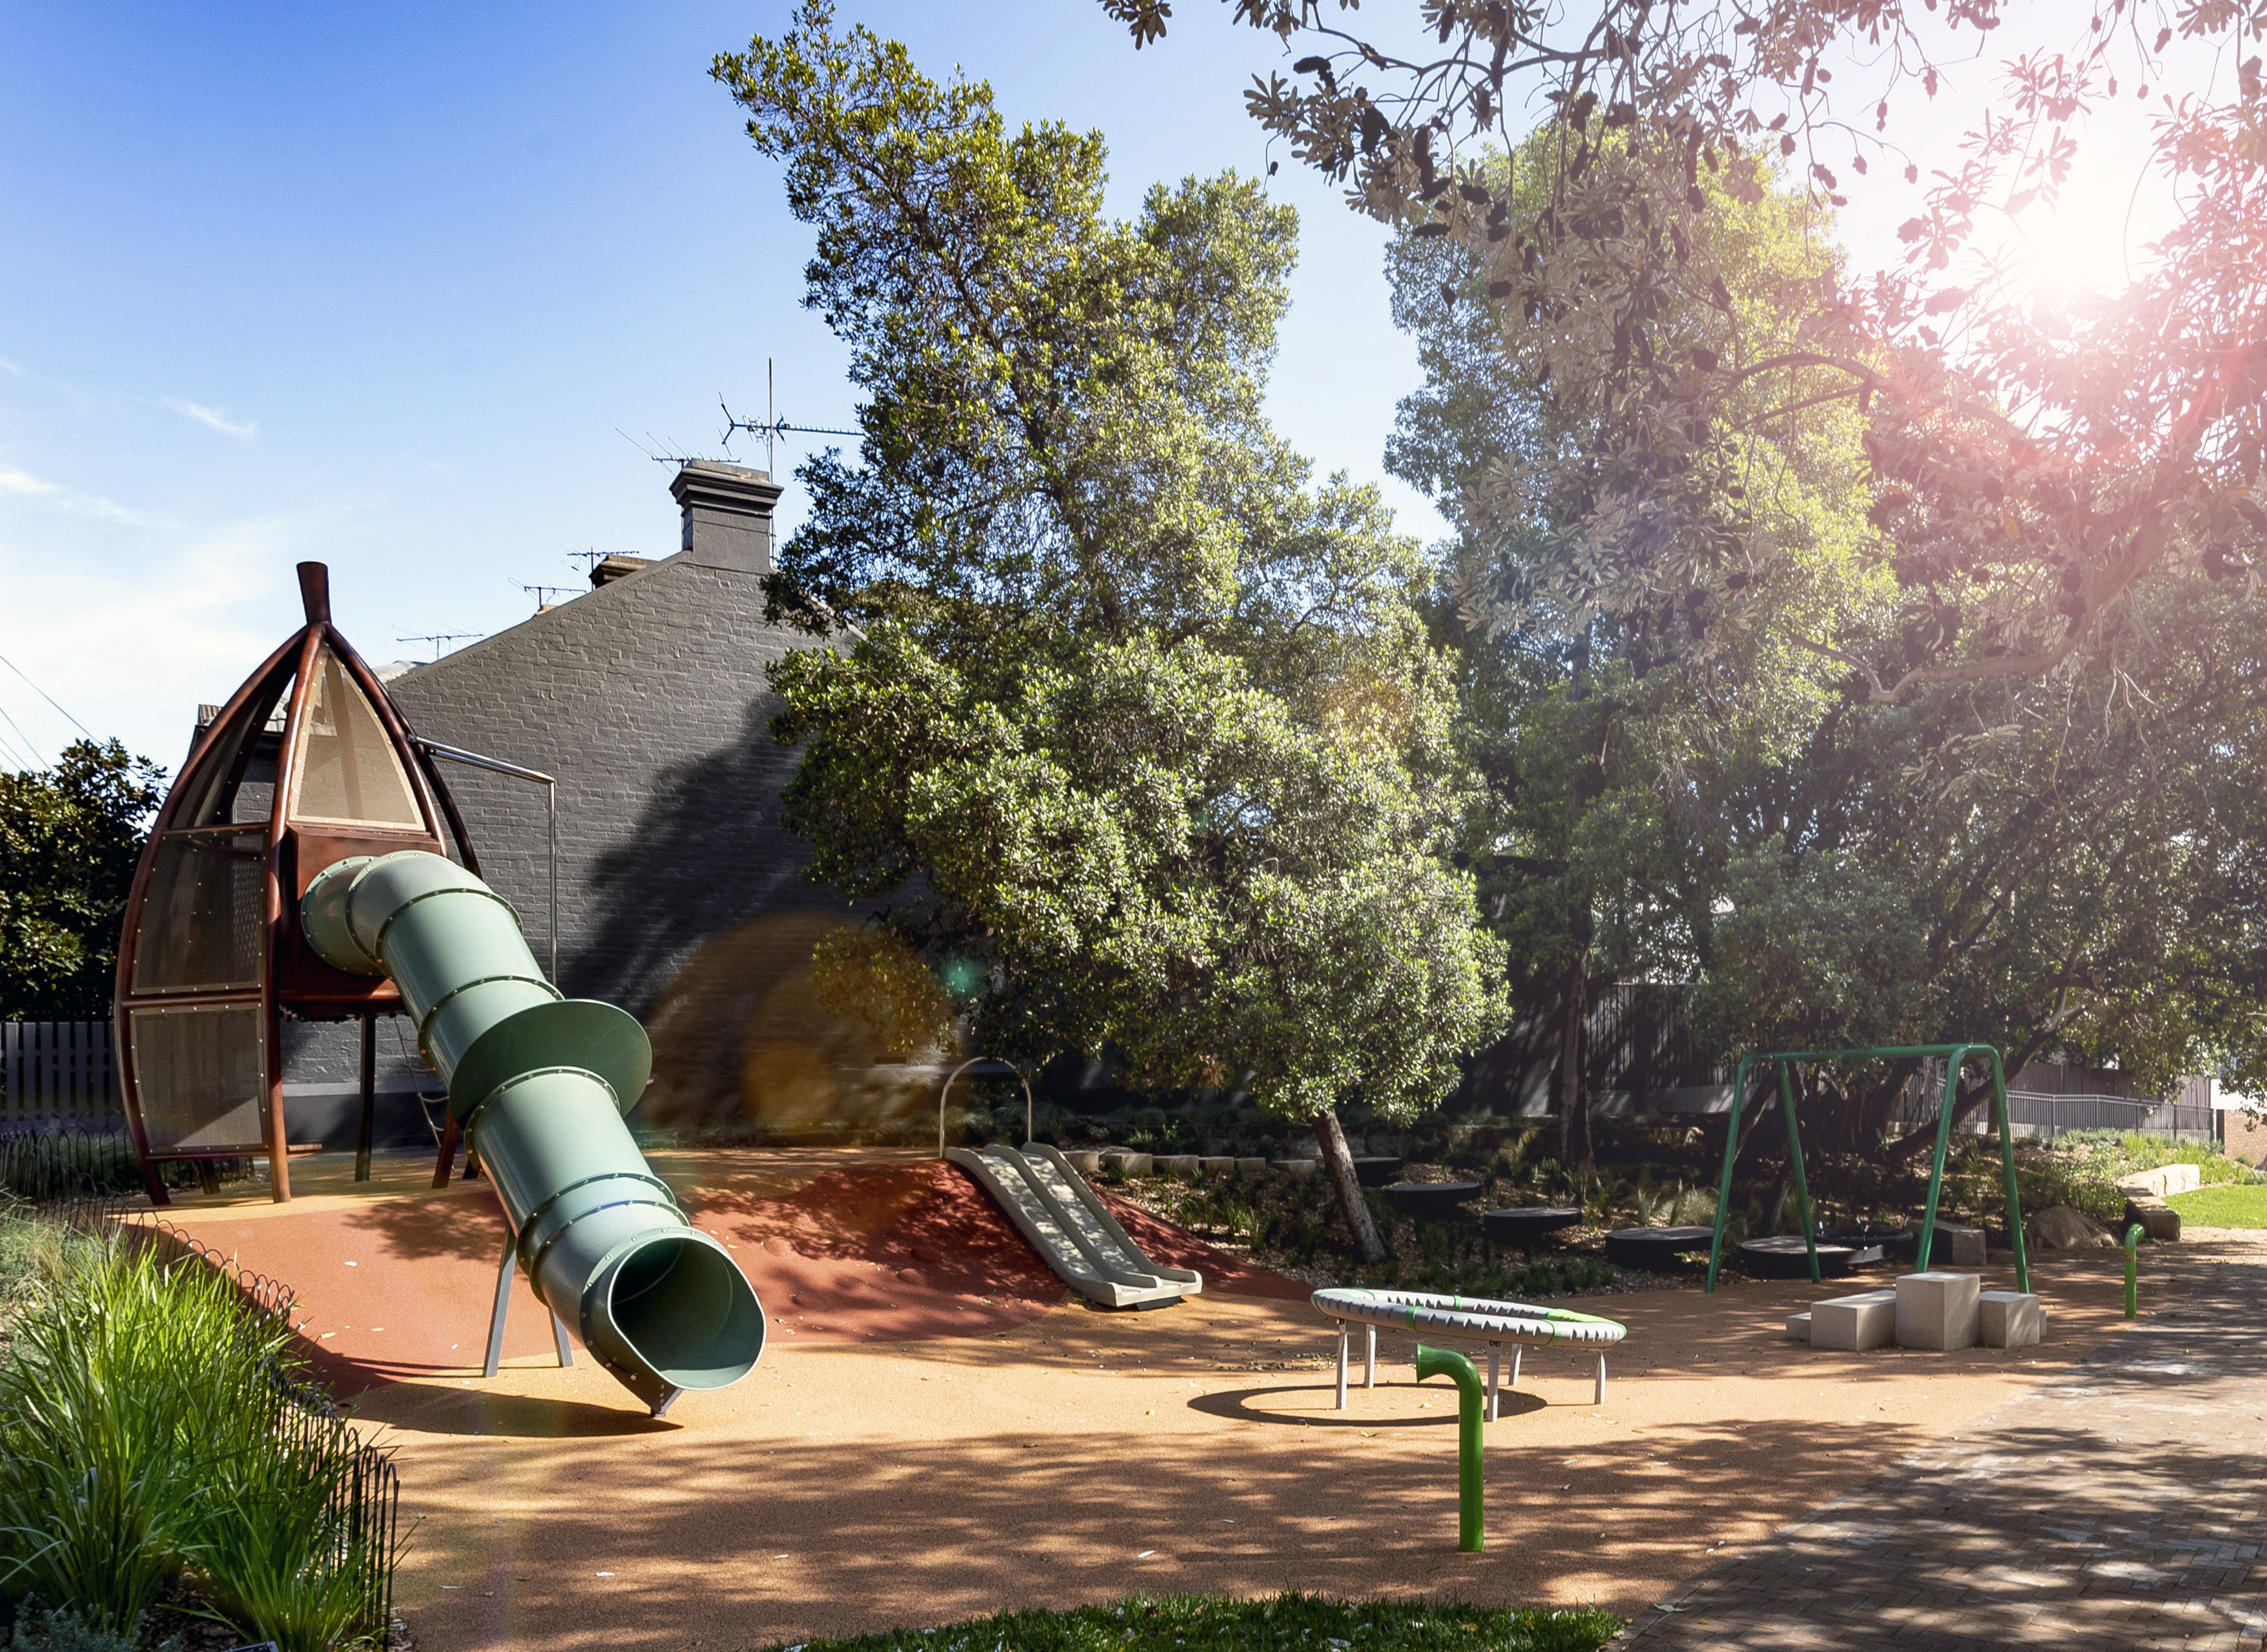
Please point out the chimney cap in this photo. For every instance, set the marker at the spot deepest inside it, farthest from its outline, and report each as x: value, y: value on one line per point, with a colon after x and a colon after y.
x: 727, y: 515
x: 607, y: 570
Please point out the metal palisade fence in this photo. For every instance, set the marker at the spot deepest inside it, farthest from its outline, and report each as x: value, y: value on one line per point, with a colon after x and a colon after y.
x: 59, y: 1073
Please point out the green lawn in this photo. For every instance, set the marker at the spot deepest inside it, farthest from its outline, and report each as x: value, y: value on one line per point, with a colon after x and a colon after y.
x: 1202, y: 1623
x: 2224, y: 1207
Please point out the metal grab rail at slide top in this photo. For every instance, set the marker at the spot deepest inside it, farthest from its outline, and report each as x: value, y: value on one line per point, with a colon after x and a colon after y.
x: 534, y: 776
x: 1954, y: 1055
x: 981, y: 1060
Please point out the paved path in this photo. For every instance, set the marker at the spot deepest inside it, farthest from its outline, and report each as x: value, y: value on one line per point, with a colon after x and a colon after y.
x: 2122, y: 1506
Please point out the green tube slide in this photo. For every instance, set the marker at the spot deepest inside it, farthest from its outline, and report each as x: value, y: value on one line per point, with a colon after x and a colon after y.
x: 540, y: 1083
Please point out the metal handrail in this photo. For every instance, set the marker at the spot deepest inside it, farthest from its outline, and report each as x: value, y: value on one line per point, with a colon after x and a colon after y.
x: 981, y: 1060
x: 497, y: 766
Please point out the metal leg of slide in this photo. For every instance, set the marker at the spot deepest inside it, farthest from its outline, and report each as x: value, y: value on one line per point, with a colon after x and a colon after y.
x: 1516, y: 1349
x: 1599, y: 1397
x: 502, y: 1306
x: 1344, y: 1335
x: 1495, y: 1350
x: 1370, y: 1367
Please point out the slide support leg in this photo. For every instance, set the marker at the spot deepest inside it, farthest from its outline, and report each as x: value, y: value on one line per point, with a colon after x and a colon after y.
x: 502, y: 1306
x: 1599, y: 1397
x: 1344, y: 1332
x: 1369, y: 1357
x: 1495, y: 1352
x: 1516, y: 1349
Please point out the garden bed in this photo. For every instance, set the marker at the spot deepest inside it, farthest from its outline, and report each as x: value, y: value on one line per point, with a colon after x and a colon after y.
x: 1212, y: 1623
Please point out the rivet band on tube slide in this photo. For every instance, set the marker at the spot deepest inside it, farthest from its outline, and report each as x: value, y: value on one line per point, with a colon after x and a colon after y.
x: 376, y: 946
x: 544, y: 1210
x: 462, y: 987
x: 535, y: 1262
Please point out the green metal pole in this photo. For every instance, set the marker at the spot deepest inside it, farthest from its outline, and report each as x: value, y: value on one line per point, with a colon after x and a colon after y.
x: 2133, y: 1271
x: 1936, y: 1165
x: 1724, y: 1193
x: 2007, y: 1167
x: 1471, y: 1539
x: 541, y: 1083
x: 1795, y: 1157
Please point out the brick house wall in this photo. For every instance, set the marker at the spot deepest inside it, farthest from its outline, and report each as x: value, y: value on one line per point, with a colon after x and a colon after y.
x: 680, y: 893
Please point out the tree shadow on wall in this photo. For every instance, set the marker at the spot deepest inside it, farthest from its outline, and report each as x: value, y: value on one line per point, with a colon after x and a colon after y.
x: 703, y: 918
x: 706, y: 853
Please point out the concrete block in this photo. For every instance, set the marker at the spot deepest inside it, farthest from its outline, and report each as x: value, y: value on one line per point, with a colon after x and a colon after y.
x: 1299, y: 1167
x: 2159, y: 1219
x: 2011, y: 1320
x: 2164, y: 1181
x: 1212, y: 1165
x: 1939, y: 1311
x: 1798, y: 1327
x: 1176, y: 1164
x: 1128, y: 1163
x: 1954, y: 1245
x: 1854, y: 1323
x: 1086, y: 1162
x: 1251, y: 1167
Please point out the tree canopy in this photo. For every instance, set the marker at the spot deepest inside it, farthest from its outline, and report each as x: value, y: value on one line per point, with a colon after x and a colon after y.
x: 69, y: 837
x: 2036, y: 470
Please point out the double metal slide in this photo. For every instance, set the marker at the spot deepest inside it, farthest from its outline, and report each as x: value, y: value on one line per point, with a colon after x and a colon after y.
x: 1054, y: 1210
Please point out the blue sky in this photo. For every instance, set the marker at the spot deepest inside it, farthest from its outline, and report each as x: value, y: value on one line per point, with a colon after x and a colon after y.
x: 379, y: 288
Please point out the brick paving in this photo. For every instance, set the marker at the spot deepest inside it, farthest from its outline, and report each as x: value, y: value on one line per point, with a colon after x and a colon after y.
x: 2121, y: 1504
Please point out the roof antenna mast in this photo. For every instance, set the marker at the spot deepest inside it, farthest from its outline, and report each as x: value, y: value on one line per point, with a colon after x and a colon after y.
x: 774, y: 426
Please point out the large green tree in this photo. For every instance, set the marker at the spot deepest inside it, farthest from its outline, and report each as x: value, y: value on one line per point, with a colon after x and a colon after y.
x: 1678, y: 788
x: 1140, y: 732
x: 69, y: 837
x: 1597, y: 726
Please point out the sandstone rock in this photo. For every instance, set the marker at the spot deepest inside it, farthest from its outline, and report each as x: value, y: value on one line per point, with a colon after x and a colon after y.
x: 2059, y: 1227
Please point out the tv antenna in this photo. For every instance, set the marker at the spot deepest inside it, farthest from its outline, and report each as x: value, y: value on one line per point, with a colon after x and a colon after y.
x: 591, y: 558
x: 774, y: 426
x: 544, y: 594
x: 438, y: 637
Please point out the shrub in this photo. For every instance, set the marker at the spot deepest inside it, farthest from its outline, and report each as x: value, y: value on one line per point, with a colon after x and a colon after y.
x: 68, y: 1632
x: 146, y: 1439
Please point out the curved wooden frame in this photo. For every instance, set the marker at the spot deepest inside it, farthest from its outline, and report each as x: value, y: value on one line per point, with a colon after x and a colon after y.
x: 293, y: 981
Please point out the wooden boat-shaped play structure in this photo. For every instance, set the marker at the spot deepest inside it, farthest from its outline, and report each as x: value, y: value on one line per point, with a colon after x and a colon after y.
x: 308, y: 764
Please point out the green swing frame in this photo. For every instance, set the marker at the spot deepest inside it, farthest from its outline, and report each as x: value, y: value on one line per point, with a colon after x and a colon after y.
x: 1954, y: 1055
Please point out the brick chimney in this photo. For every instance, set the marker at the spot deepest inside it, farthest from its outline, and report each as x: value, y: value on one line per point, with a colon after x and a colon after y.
x: 727, y: 515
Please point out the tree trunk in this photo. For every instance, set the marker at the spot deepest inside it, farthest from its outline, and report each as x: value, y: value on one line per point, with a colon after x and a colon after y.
x: 1337, y: 1163
x: 1574, y: 1149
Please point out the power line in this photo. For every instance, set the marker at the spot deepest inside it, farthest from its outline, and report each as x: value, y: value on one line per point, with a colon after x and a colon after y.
x: 45, y: 695
x: 26, y: 738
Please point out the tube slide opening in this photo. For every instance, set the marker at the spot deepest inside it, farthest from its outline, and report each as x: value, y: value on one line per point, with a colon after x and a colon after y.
x: 687, y: 1313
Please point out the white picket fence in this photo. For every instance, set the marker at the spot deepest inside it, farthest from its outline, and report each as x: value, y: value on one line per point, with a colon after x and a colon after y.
x: 58, y: 1073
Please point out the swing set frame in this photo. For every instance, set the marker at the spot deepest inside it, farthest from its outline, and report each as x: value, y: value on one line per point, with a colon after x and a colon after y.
x: 1954, y: 1055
